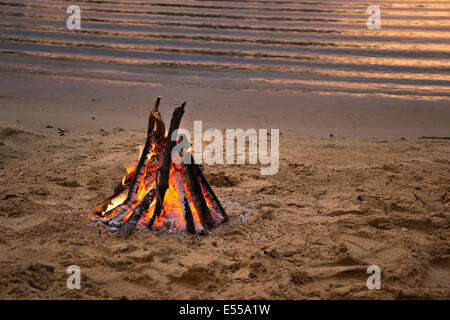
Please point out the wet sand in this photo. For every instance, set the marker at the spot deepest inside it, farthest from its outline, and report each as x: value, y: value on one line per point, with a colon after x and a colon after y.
x: 79, y: 106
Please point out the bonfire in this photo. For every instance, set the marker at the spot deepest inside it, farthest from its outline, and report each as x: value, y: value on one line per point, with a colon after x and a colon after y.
x: 160, y: 194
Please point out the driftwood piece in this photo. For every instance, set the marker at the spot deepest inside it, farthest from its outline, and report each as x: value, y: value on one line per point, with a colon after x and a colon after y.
x: 163, y: 183
x: 215, y: 201
x: 140, y: 167
x: 100, y: 208
x: 197, y: 196
x: 190, y: 225
x: 184, y: 202
x: 127, y: 228
x: 121, y: 212
x: 115, y: 216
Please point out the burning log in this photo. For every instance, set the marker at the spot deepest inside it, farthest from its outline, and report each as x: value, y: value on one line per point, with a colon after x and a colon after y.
x: 210, y: 193
x: 158, y: 194
x: 128, y: 226
x: 163, y: 184
x: 197, y: 195
x: 179, y: 185
x: 139, y: 182
x: 140, y: 168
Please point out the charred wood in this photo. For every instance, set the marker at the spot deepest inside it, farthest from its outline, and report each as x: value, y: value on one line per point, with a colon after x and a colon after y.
x: 163, y: 183
x: 184, y: 202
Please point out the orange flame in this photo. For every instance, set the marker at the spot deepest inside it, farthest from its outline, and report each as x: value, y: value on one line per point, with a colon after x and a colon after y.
x: 171, y: 218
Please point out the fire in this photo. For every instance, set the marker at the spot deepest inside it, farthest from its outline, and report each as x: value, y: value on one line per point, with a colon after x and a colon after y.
x: 187, y: 202
x: 172, y: 218
x: 115, y: 202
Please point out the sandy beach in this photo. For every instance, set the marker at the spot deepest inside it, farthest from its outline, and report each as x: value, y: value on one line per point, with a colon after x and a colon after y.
x: 364, y: 169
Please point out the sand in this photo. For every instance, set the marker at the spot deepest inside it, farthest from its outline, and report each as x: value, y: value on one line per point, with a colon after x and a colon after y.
x: 356, y: 187
x: 336, y: 206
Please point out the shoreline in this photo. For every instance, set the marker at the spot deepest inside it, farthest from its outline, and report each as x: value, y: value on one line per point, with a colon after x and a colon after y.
x: 34, y: 102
